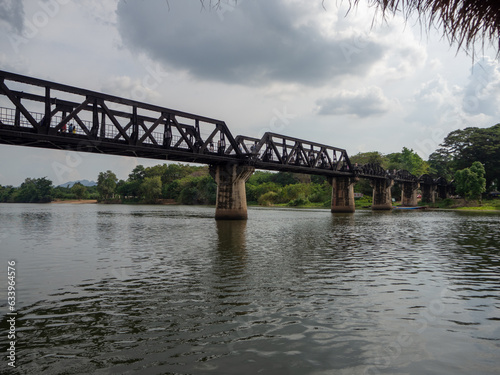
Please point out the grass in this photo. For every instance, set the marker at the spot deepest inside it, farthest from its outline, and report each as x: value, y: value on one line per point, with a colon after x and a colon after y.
x: 489, y: 206
x: 460, y: 204
x: 457, y: 204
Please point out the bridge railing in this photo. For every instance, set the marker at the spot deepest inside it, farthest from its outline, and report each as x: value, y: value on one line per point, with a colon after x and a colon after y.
x: 8, y: 115
x: 47, y: 109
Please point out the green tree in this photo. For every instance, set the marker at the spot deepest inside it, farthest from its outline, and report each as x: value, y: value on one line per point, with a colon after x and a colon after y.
x: 189, y: 195
x: 374, y: 157
x: 6, y: 193
x: 79, y: 190
x: 106, y: 184
x: 470, y: 182
x: 408, y: 160
x: 151, y: 188
x: 34, y: 190
x: 440, y: 165
x: 285, y: 178
x: 137, y: 174
x: 128, y: 189
x: 174, y: 172
x: 207, y: 190
x: 461, y: 148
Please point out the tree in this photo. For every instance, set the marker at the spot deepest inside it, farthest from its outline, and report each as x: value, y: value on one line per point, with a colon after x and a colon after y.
x: 175, y: 172
x: 79, y: 190
x: 470, y: 182
x: 151, y: 188
x: 408, y: 160
x: 34, y: 190
x: 461, y: 148
x: 106, y: 184
x: 441, y: 165
x: 6, y: 193
x: 373, y: 157
x: 137, y: 174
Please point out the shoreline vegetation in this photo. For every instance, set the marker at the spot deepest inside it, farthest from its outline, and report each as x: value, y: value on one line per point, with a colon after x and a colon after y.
x: 189, y: 185
x: 492, y: 205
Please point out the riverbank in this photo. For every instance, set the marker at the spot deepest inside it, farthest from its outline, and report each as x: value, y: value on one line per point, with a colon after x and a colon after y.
x: 76, y: 201
x: 493, y: 205
x: 462, y: 205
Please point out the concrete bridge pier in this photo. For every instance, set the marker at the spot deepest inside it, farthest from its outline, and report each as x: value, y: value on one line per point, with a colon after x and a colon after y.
x: 231, y: 201
x: 409, y: 194
x: 382, y: 197
x: 443, y: 192
x: 343, y: 194
x: 428, y: 193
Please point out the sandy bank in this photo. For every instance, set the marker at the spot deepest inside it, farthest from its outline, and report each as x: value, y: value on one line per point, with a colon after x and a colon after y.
x: 77, y: 201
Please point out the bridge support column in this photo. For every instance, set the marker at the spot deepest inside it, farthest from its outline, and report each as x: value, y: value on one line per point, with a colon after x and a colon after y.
x: 382, y: 197
x: 231, y: 196
x: 443, y: 192
x: 343, y: 194
x: 409, y: 194
x: 428, y: 193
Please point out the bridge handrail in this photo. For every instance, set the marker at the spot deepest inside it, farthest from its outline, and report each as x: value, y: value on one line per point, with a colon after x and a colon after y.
x: 134, y: 130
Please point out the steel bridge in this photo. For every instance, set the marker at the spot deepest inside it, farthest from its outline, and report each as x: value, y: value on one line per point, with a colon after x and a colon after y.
x: 40, y: 113
x: 43, y: 111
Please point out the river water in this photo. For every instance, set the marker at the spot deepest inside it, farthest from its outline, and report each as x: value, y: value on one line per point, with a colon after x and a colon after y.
x: 115, y: 289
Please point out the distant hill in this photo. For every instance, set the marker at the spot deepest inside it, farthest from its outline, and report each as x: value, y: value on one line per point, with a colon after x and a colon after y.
x: 83, y: 182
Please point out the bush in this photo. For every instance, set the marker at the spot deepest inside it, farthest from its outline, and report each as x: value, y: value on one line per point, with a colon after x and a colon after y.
x: 254, y: 192
x: 292, y: 192
x: 300, y: 201
x: 268, y: 199
x: 189, y: 195
x: 207, y: 190
x: 445, y: 203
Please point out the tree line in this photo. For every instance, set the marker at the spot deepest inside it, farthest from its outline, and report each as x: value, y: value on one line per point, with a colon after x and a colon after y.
x: 183, y: 184
x: 41, y: 190
x: 470, y: 157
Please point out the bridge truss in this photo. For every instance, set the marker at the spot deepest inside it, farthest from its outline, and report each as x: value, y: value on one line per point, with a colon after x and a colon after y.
x: 40, y: 113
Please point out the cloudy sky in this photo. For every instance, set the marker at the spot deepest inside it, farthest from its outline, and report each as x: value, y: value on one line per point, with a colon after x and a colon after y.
x: 297, y: 67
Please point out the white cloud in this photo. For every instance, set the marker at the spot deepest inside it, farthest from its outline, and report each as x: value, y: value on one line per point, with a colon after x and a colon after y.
x: 433, y: 102
x: 135, y: 89
x: 482, y: 92
x: 366, y: 102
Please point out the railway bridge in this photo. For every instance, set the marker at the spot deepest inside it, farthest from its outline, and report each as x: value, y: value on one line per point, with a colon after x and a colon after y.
x: 40, y: 113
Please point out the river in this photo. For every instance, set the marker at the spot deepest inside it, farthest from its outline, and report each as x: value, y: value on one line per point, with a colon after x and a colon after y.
x: 118, y: 289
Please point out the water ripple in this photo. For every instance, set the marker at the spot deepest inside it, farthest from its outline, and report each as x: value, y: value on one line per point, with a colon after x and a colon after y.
x: 155, y: 290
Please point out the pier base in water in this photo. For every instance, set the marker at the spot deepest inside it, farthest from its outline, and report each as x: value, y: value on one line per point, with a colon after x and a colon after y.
x: 343, y: 194
x: 382, y: 197
x: 231, y: 195
x: 409, y: 194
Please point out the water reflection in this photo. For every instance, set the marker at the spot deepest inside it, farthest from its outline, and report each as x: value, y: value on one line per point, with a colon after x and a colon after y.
x: 36, y: 221
x: 232, y: 236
